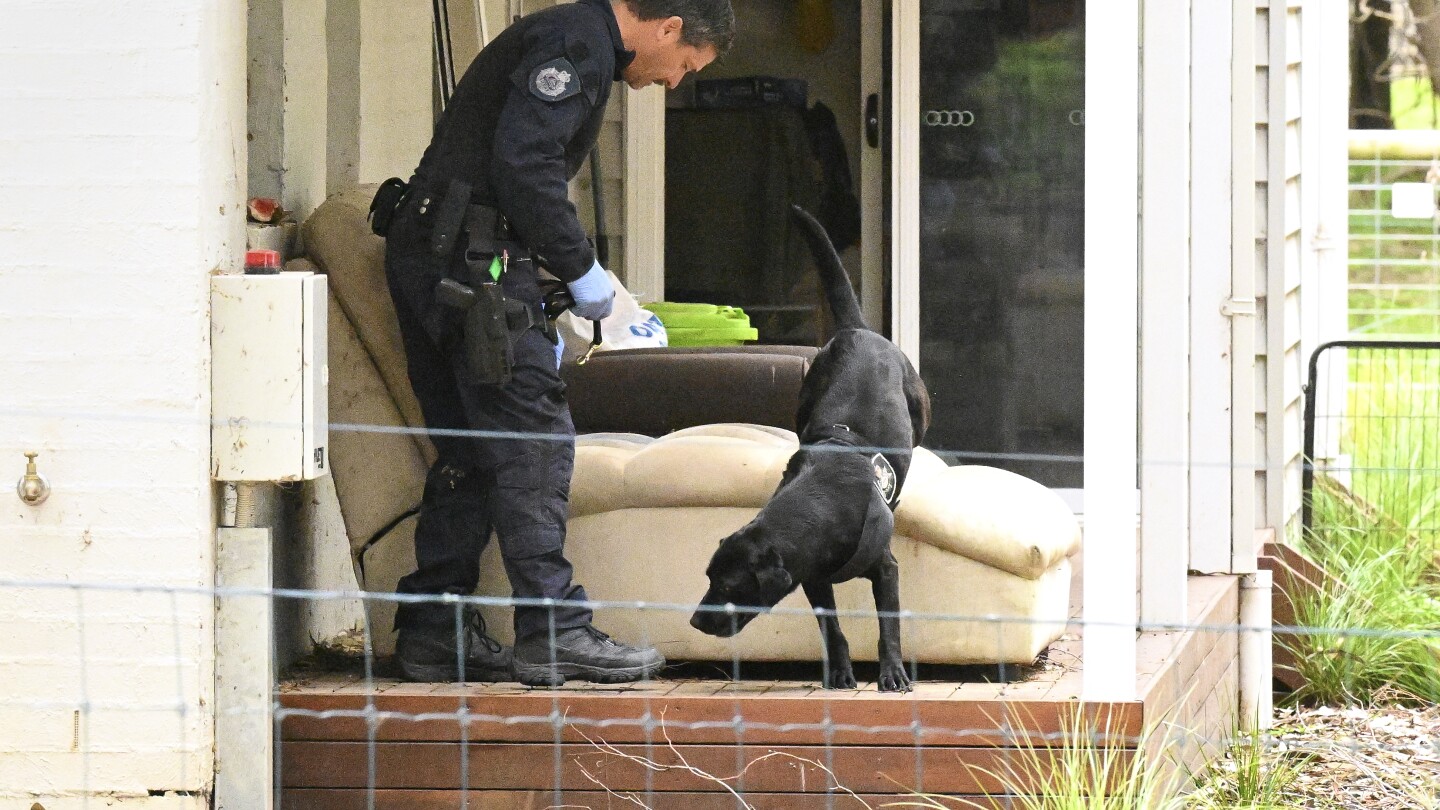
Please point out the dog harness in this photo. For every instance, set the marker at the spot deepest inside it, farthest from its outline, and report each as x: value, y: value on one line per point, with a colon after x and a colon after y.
x: 885, y: 479
x: 870, y: 547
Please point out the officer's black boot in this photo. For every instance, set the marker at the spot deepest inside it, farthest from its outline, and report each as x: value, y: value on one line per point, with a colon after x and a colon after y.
x: 429, y: 654
x: 583, y: 653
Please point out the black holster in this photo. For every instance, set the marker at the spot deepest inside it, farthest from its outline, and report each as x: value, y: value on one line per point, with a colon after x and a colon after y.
x: 488, y: 316
x: 488, y: 353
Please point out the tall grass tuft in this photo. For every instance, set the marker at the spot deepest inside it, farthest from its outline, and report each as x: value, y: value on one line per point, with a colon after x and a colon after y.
x: 1251, y: 776
x: 1090, y: 768
x: 1377, y: 539
x: 1375, y: 623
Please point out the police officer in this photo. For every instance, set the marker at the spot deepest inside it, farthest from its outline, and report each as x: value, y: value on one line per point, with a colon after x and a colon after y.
x: 490, y: 199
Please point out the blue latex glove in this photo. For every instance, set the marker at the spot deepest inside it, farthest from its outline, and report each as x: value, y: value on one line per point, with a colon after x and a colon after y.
x: 559, y: 350
x: 594, y: 294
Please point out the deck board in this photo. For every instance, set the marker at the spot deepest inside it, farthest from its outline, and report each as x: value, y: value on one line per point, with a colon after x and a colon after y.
x: 769, y: 769
x: 938, y: 734
x: 349, y: 799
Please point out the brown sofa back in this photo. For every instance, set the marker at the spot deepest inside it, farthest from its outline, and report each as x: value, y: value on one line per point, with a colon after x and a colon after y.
x: 657, y: 391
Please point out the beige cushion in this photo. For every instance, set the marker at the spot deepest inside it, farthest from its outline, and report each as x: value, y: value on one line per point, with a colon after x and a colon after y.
x: 989, y: 515
x: 338, y: 240
x: 658, y: 556
x: 378, y: 473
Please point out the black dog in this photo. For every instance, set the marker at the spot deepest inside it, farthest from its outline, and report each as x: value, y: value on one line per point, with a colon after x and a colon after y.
x: 862, y: 409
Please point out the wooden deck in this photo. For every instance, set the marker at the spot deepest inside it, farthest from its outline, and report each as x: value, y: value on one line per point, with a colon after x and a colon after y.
x: 507, y: 747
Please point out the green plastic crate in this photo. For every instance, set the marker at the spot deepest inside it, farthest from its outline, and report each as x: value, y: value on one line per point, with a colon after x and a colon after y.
x: 703, y: 324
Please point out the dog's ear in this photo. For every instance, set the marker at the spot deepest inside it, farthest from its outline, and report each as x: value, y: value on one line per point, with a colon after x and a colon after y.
x: 771, y: 573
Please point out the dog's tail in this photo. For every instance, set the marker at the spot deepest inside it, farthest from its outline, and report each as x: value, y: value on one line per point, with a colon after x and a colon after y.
x: 832, y: 273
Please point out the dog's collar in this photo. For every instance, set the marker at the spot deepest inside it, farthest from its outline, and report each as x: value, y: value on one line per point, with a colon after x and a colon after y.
x: 834, y: 434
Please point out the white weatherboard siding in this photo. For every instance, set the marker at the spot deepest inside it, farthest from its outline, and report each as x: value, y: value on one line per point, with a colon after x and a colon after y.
x: 1165, y: 312
x: 1280, y: 256
x: 122, y: 162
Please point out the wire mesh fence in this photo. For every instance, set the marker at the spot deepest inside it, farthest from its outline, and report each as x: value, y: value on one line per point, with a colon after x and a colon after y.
x: 1394, y: 255
x: 1372, y: 441
x: 348, y: 733
x: 740, y: 725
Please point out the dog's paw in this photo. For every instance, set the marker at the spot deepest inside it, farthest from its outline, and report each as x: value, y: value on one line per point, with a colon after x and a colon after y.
x: 840, y: 678
x: 893, y: 678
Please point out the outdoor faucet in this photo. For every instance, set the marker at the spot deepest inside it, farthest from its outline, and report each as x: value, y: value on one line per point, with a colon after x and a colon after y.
x: 33, y: 488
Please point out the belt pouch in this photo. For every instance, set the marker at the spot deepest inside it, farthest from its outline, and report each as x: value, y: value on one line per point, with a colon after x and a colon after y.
x: 481, y: 226
x: 488, y: 353
x: 382, y: 207
x: 450, y: 218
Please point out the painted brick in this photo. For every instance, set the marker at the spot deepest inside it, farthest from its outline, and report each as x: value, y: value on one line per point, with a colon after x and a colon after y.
x: 175, y: 634
x: 121, y: 122
x: 102, y: 555
x: 54, y: 730
x: 94, y: 511
x: 72, y: 609
x: 55, y: 74
x: 168, y: 801
x: 135, y: 773
x: 62, y: 115
x: 101, y: 379
x: 148, y: 683
x: 103, y: 160
x: 111, y: 274
x: 44, y: 569
x: 80, y: 28
x: 54, y: 203
x: 172, y: 434
x: 170, y: 73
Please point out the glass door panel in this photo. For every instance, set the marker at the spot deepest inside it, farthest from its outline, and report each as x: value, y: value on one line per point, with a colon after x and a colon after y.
x: 1002, y: 182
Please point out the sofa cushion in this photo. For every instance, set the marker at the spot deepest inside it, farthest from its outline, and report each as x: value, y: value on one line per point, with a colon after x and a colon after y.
x: 990, y: 515
x: 967, y: 611
x: 983, y: 513
x: 338, y: 240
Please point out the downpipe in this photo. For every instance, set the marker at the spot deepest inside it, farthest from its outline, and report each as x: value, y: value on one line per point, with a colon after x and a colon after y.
x: 1257, y: 708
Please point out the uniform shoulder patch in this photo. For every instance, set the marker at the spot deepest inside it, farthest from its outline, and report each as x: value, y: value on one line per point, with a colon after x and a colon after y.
x: 884, y: 478
x: 555, y: 80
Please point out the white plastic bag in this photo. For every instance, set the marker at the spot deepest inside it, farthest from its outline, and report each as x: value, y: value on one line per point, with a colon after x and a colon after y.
x: 628, y: 327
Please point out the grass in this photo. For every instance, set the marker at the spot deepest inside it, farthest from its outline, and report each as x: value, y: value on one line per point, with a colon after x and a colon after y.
x: 1377, y: 536
x: 1089, y: 769
x: 1092, y: 770
x: 1249, y: 775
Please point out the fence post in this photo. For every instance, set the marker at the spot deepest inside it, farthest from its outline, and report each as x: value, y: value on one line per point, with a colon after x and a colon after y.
x: 244, y: 672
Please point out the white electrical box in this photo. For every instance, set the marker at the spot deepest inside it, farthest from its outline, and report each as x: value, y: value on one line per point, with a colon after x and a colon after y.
x: 269, y: 377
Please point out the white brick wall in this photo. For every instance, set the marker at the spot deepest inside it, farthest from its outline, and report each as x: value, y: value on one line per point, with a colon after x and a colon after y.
x: 121, y: 158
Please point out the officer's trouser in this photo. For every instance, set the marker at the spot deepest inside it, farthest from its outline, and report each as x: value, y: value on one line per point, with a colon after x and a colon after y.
x: 517, y: 483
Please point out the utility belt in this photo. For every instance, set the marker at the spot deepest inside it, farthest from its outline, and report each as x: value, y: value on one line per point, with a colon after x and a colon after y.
x: 477, y: 296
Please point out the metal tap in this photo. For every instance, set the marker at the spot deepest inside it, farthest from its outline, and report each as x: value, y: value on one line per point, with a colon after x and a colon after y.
x: 33, y: 488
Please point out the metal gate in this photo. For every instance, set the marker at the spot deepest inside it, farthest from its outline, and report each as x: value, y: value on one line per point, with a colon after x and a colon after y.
x: 1372, y: 439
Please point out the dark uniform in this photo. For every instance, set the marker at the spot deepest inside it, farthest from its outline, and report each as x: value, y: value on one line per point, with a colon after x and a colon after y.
x: 521, y: 122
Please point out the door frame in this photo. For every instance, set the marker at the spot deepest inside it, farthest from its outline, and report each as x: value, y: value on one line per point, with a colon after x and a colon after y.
x: 1111, y: 352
